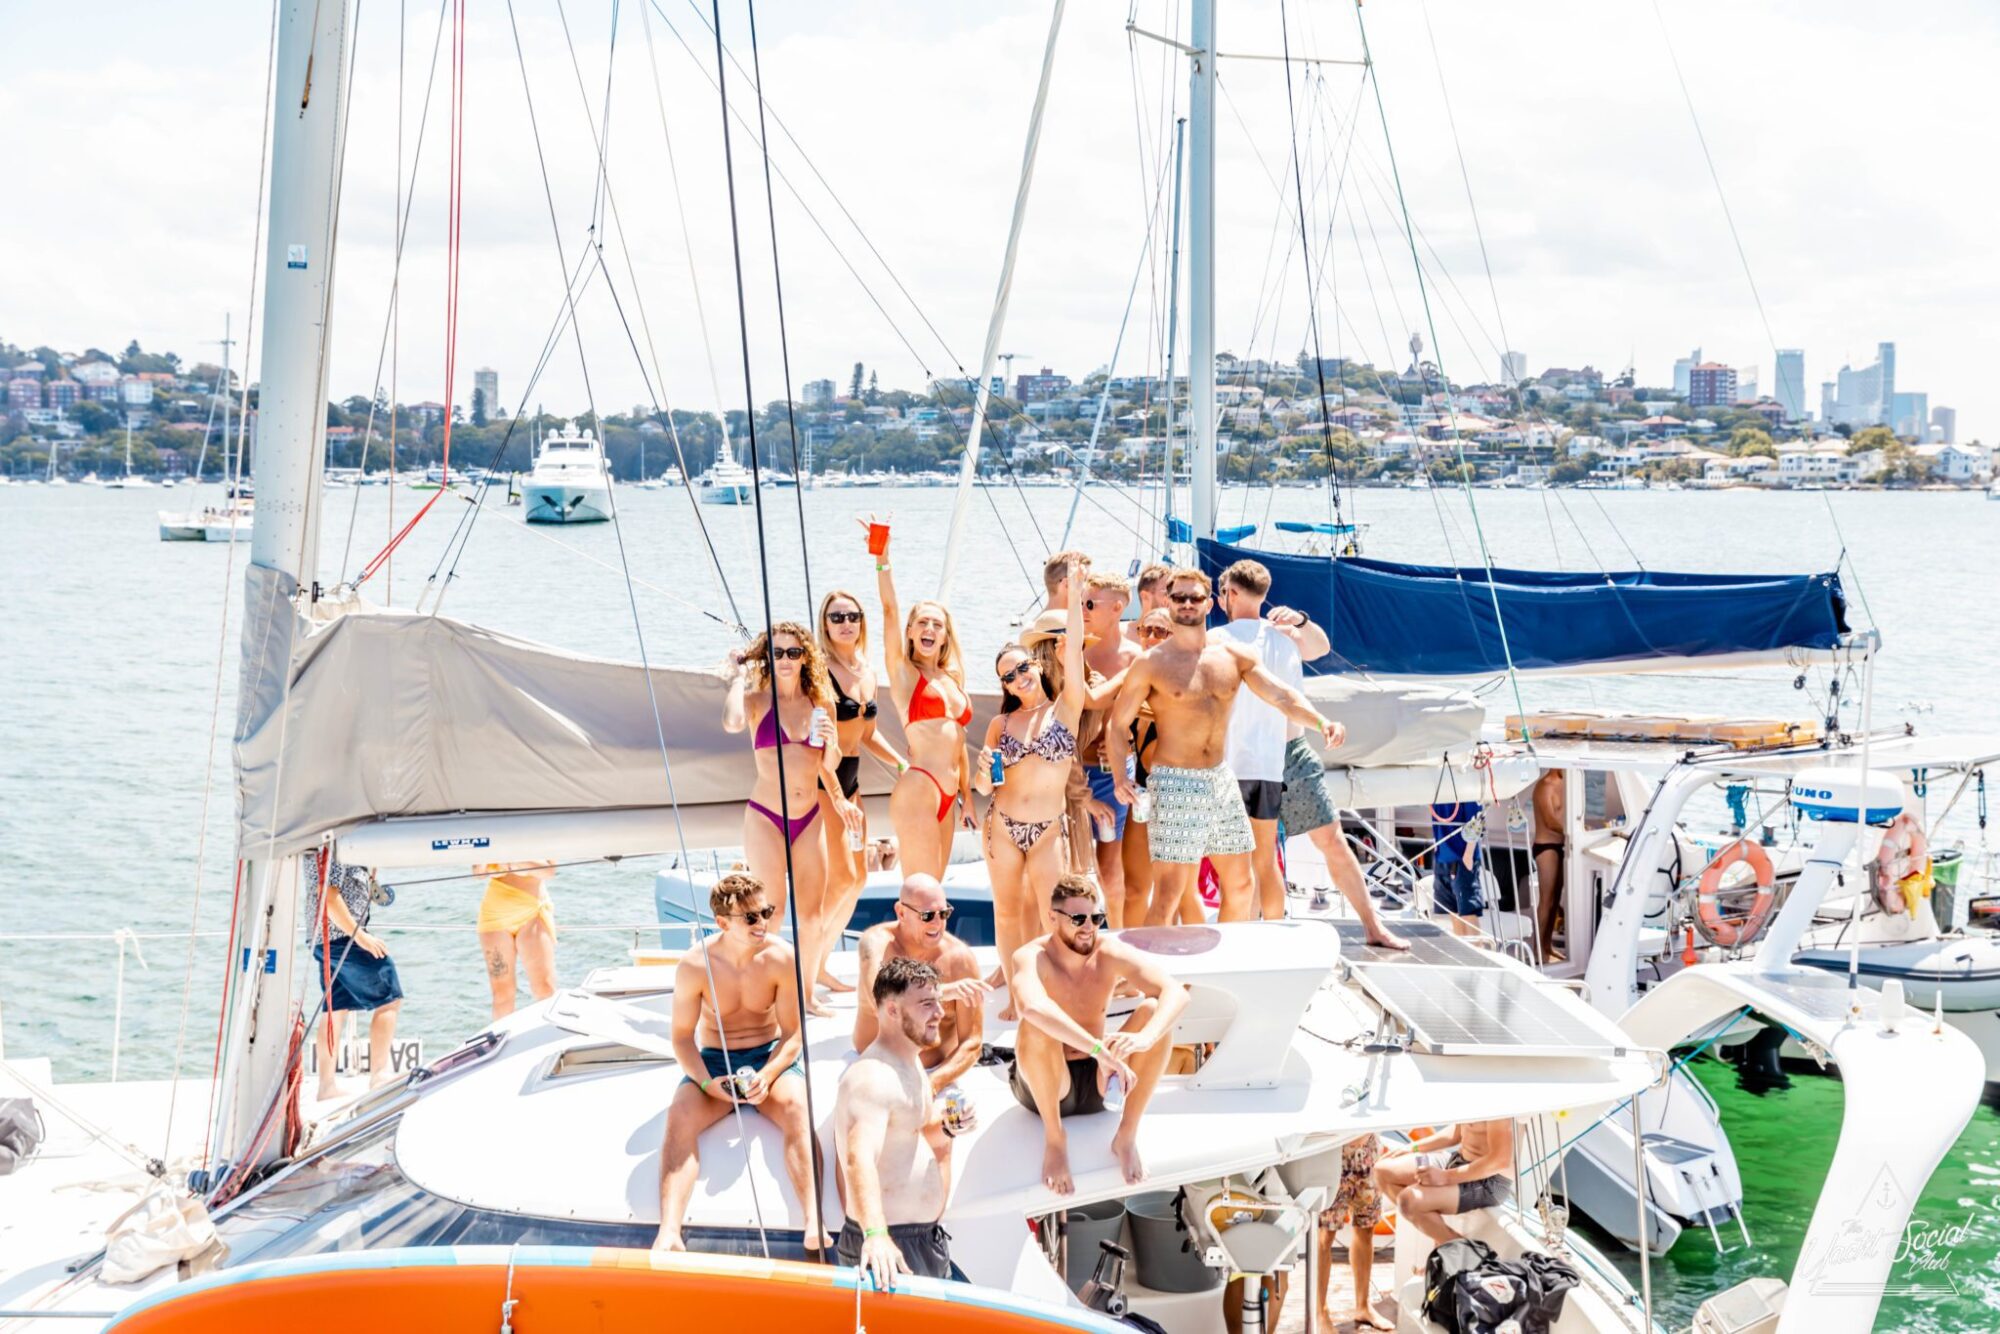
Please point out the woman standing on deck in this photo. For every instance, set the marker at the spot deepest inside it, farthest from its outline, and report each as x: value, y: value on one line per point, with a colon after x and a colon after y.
x: 927, y: 683
x: 843, y: 640
x: 1034, y: 741
x: 517, y: 924
x: 780, y: 816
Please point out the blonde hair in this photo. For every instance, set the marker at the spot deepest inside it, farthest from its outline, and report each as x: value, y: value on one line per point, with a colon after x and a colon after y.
x: 813, y: 679
x: 1110, y: 580
x: 825, y: 606
x: 949, y: 660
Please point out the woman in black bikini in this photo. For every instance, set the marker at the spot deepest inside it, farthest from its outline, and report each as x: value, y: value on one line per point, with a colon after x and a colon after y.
x: 1035, y: 740
x: 843, y: 640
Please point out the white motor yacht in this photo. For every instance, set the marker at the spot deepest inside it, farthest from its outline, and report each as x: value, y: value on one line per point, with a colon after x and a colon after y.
x: 570, y: 482
x: 727, y: 482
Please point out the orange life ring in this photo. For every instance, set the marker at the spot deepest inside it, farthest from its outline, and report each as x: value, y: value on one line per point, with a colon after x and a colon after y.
x: 1903, y: 866
x: 1729, y: 932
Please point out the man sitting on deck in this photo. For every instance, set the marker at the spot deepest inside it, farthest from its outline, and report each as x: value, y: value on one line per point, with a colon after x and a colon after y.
x: 1063, y: 1057
x: 735, y: 993
x: 1428, y: 1182
x: 918, y: 933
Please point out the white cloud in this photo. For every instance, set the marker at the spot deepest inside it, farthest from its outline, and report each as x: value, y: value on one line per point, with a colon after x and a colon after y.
x: 1851, y: 138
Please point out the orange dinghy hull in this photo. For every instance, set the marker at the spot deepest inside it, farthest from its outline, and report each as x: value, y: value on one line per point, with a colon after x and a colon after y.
x: 439, y: 1290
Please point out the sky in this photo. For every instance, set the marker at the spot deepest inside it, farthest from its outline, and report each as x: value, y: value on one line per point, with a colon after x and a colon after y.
x: 1852, y: 140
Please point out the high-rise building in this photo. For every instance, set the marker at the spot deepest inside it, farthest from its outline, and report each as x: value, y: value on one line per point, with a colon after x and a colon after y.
x: 1910, y: 415
x: 1711, y: 384
x: 1866, y: 397
x: 1829, y: 403
x: 486, y: 384
x: 819, y: 393
x: 1683, y: 373
x: 1746, y: 384
x: 1885, y: 359
x: 1944, y: 425
x: 1790, y: 388
x: 1513, y: 367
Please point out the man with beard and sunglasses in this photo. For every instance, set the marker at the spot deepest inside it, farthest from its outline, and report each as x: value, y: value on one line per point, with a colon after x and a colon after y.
x: 736, y: 1036
x: 1191, y: 685
x: 1063, y: 1057
x: 917, y: 933
x: 895, y: 1147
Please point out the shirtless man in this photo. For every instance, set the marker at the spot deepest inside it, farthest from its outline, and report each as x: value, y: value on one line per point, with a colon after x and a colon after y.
x: 736, y: 1011
x: 1198, y: 812
x: 1108, y: 653
x: 918, y: 935
x: 895, y: 1150
x: 1456, y: 1170
x: 1551, y: 800
x: 1062, y: 1055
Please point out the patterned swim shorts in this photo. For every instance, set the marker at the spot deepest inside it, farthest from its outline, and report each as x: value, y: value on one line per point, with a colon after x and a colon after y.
x: 1306, y: 805
x: 1357, y: 1200
x: 1197, y: 813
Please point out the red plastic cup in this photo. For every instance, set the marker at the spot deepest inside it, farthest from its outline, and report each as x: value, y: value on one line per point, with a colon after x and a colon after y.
x: 878, y: 538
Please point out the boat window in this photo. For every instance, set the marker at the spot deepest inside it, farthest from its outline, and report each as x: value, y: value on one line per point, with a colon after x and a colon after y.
x: 357, y: 1199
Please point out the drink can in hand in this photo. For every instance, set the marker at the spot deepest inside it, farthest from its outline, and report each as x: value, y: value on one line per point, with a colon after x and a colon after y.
x: 957, y: 1111
x: 857, y: 838
x: 813, y: 737
x: 999, y: 771
x: 1142, y: 806
x: 743, y: 1082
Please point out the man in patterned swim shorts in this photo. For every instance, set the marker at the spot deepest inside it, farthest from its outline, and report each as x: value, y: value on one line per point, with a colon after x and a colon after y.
x: 1357, y: 1202
x: 1190, y: 685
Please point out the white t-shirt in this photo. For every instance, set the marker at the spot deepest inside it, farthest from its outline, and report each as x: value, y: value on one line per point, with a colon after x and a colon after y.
x: 1257, y: 731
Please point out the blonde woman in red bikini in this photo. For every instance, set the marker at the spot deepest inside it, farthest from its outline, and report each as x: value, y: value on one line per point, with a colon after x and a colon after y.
x: 927, y: 682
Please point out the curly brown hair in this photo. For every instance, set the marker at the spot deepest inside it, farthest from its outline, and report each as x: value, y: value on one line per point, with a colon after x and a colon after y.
x: 729, y: 894
x: 813, y: 680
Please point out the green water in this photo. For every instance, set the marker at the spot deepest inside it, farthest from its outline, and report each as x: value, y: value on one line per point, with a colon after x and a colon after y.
x: 1784, y: 1142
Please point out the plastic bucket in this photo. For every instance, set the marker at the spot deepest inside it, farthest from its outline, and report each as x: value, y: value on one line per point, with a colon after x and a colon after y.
x: 1090, y: 1224
x: 1160, y: 1250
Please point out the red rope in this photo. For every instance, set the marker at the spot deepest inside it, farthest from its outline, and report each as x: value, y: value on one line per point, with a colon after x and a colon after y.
x: 455, y: 215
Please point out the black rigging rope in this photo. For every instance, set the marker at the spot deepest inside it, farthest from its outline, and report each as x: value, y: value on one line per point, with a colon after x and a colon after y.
x: 764, y: 574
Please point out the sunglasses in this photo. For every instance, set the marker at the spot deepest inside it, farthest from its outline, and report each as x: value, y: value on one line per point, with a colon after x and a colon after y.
x: 843, y: 618
x: 793, y: 654
x: 1154, y: 632
x: 1007, y: 678
x: 927, y: 915
x: 1077, y: 919
x: 1187, y: 599
x: 763, y: 914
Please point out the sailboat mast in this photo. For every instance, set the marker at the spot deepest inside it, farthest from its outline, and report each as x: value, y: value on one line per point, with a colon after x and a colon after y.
x: 1201, y: 264
x: 307, y: 134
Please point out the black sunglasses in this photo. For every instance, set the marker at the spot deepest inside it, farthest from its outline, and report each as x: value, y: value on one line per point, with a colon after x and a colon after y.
x: 843, y: 618
x: 1079, y: 918
x: 1007, y: 678
x: 793, y: 654
x: 763, y: 914
x: 927, y: 915
x: 1187, y: 599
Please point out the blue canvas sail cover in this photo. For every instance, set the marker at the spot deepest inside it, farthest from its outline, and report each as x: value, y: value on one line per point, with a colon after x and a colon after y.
x: 1432, y: 620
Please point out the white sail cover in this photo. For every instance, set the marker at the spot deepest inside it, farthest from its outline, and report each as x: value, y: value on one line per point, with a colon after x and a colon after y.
x: 361, y: 713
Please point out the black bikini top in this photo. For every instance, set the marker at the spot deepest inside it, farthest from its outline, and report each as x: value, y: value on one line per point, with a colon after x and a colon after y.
x: 846, y: 708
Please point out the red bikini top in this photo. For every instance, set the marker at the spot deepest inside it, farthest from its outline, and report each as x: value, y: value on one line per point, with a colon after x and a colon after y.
x: 928, y: 702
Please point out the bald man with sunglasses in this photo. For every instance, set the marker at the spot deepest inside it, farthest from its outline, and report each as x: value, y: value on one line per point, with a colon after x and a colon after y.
x: 918, y: 932
x: 1064, y: 1058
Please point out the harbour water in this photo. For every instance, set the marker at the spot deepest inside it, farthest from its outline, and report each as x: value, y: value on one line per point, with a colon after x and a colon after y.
x: 109, y: 646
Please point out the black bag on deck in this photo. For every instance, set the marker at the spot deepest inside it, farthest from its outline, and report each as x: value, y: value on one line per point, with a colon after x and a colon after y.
x: 21, y: 1132
x: 1523, y: 1296
x: 1553, y: 1280
x: 1441, y: 1270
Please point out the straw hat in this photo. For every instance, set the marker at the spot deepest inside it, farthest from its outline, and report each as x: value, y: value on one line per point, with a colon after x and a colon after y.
x: 1047, y: 626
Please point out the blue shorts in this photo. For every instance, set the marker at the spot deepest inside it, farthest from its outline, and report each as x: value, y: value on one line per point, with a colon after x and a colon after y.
x: 1102, y: 787
x: 360, y: 981
x: 719, y: 1062
x: 1455, y: 888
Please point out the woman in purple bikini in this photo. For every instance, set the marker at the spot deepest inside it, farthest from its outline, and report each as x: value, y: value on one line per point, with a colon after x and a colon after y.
x: 788, y: 814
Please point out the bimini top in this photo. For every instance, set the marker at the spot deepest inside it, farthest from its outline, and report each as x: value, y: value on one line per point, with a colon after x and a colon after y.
x: 1432, y: 620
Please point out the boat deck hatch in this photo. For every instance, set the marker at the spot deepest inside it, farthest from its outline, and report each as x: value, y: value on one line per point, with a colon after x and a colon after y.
x: 1669, y: 1149
x: 1430, y: 946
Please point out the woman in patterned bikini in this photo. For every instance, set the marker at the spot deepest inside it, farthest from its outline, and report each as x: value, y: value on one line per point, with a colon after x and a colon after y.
x: 1035, y: 740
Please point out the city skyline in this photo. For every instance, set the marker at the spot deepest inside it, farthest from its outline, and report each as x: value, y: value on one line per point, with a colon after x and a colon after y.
x: 1577, y: 282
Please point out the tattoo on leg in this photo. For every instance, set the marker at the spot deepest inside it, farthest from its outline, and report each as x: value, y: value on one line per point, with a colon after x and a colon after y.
x: 497, y: 966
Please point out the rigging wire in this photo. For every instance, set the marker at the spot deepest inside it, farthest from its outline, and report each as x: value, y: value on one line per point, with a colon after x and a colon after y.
x: 764, y: 573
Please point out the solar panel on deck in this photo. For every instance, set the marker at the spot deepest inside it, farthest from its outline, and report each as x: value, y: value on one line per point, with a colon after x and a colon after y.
x: 1430, y: 946
x: 1482, y: 1011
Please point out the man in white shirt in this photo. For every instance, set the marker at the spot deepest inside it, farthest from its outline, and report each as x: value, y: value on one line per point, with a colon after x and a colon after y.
x: 1279, y: 773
